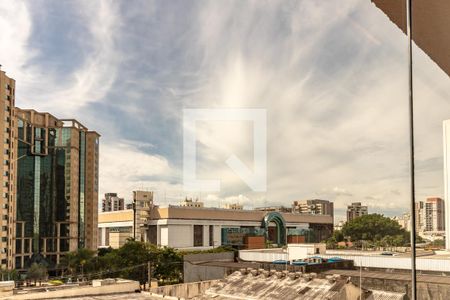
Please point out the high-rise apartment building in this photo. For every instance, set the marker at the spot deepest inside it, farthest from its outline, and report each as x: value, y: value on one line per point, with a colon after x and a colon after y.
x: 112, y: 203
x: 50, y: 184
x: 420, y: 216
x: 356, y: 209
x: 8, y: 179
x: 313, y: 207
x: 434, y: 214
x: 142, y: 206
x: 57, y: 188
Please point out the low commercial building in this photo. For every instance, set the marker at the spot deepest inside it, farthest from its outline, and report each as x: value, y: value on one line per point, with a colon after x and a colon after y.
x: 190, y: 227
x: 115, y: 227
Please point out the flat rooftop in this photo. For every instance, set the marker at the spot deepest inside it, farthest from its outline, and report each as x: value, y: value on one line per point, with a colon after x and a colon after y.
x: 211, y: 213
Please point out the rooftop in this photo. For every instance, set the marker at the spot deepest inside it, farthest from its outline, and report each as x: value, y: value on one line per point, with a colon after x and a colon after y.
x: 258, y: 284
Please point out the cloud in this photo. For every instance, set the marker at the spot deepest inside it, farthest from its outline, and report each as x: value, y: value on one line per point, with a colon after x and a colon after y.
x: 16, y: 27
x: 60, y: 92
x: 124, y: 168
x: 334, y: 87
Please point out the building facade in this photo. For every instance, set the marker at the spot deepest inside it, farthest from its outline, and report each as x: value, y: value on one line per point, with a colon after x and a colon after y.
x: 112, y: 203
x: 420, y: 216
x: 203, y: 228
x: 57, y: 188
x: 50, y: 184
x: 356, y: 209
x: 8, y: 179
x: 143, y: 207
x: 434, y: 214
x: 115, y: 227
x: 404, y: 221
x: 313, y: 207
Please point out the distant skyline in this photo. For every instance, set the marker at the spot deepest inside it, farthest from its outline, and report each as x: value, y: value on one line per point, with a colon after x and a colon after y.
x: 332, y: 76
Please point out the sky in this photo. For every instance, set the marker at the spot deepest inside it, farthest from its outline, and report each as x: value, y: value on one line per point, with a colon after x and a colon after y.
x: 330, y: 75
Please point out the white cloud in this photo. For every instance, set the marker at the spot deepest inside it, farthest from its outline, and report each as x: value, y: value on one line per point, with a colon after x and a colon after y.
x: 43, y: 89
x: 16, y: 25
x: 334, y: 86
x: 123, y: 169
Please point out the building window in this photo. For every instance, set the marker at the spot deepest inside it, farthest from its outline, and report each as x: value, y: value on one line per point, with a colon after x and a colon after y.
x: 198, y: 235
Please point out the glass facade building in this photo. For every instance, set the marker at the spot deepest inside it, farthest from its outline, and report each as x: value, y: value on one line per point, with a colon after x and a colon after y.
x: 51, y: 188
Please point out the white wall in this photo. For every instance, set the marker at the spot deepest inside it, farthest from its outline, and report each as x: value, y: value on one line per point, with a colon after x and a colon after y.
x: 205, y: 235
x: 217, y: 235
x: 261, y: 256
x: 180, y: 236
x: 393, y: 262
x: 164, y: 235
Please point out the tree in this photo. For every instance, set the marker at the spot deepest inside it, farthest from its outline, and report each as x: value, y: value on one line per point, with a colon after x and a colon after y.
x: 373, y: 227
x: 169, y: 265
x: 37, y: 272
x: 6, y: 274
x: 130, y: 260
x: 81, y: 261
x: 332, y: 241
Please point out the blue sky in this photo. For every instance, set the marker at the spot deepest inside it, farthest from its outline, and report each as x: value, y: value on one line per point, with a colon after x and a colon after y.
x: 332, y: 76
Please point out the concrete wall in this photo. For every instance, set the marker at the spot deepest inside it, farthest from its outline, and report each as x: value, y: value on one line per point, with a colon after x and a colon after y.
x: 164, y: 235
x: 301, y: 251
x: 263, y: 256
x: 120, y: 287
x: 184, y: 290
x: 217, y: 235
x: 425, y: 291
x: 206, y: 235
x: 395, y: 262
x: 180, y: 236
x: 195, y: 271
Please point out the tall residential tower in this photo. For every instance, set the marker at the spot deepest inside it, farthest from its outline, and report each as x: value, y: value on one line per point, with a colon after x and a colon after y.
x: 7, y: 101
x: 57, y: 188
x: 50, y: 185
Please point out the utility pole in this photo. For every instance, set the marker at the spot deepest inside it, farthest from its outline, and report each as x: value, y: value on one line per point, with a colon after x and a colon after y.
x: 149, y: 274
